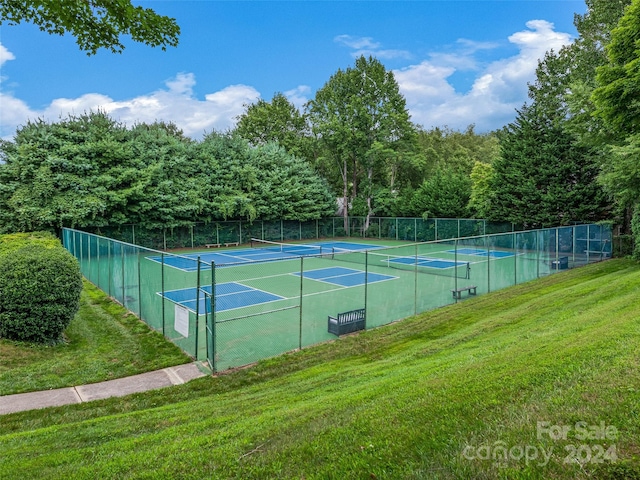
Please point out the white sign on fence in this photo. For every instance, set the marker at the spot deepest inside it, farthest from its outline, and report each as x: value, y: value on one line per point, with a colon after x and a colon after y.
x: 181, y: 322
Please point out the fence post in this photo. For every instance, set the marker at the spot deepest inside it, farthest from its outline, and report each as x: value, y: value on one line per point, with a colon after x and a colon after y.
x: 139, y: 287
x: 212, y: 361
x: 300, y: 303
x: 514, y: 245
x: 455, y: 262
x: 124, y: 302
x: 162, y: 288
x: 366, y: 283
x: 486, y: 240
x: 195, y: 350
x: 109, y: 269
x: 98, y: 260
x: 415, y: 282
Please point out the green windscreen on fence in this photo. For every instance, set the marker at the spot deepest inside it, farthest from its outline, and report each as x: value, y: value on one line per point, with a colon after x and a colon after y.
x: 238, y: 231
x: 238, y: 305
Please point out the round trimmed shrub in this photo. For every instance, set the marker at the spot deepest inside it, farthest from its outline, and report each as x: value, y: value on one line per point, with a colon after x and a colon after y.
x: 39, y: 293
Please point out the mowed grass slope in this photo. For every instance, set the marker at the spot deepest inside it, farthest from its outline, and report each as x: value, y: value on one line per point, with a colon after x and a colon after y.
x: 455, y: 393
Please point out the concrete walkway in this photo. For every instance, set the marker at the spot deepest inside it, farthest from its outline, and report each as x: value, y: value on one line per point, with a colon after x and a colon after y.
x: 119, y: 387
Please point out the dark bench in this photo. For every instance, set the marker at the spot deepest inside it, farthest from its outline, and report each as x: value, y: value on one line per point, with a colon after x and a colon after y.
x: 457, y: 293
x: 561, y: 264
x: 347, y: 322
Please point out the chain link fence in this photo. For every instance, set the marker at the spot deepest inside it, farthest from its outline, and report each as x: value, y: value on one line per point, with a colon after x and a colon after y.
x: 239, y: 313
x: 241, y: 232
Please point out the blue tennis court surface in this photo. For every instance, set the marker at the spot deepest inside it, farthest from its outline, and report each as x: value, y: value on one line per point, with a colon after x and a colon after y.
x: 345, y: 277
x: 228, y: 296
x: 189, y: 262
x: 347, y: 246
x: 482, y: 252
x: 426, y: 262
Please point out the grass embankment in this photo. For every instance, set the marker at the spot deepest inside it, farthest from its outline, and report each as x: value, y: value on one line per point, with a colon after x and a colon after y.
x: 103, y: 342
x: 481, y: 389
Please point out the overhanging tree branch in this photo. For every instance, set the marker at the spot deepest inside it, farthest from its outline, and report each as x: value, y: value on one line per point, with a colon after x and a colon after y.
x: 94, y: 23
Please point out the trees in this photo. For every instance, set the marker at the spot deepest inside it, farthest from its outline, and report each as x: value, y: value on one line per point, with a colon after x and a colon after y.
x: 444, y: 194
x: 262, y: 182
x: 95, y: 23
x: 616, y: 100
x: 618, y: 80
x: 544, y: 177
x: 565, y: 80
x: 361, y: 122
x: 90, y: 171
x: 278, y: 121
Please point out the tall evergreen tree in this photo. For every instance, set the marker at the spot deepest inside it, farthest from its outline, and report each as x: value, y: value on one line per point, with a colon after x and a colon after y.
x: 544, y: 178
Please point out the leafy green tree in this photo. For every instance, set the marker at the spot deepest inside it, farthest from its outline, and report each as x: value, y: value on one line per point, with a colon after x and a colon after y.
x: 51, y: 176
x: 360, y: 119
x: 445, y: 194
x: 262, y: 182
x: 618, y: 93
x: 94, y: 23
x: 446, y: 148
x: 544, y: 177
x: 90, y: 171
x: 565, y: 80
x: 481, y: 192
x: 617, y: 105
x: 279, y: 121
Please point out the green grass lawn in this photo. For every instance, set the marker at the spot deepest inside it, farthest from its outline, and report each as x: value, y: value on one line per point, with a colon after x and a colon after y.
x: 540, y: 380
x: 103, y: 342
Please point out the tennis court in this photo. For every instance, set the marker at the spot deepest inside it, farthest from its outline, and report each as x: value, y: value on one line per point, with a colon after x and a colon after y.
x: 259, y: 251
x: 233, y: 295
x: 268, y: 298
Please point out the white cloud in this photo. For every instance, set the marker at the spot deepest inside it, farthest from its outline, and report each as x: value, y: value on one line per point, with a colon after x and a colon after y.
x: 176, y: 103
x: 499, y: 88
x: 5, y: 55
x: 365, y: 46
x: 298, y: 96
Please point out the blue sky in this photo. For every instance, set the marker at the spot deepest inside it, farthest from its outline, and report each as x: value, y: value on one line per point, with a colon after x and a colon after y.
x: 457, y: 62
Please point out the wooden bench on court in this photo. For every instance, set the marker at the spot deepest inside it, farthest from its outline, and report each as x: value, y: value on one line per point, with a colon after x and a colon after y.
x: 229, y: 244
x: 210, y: 245
x: 347, y: 322
x: 457, y: 293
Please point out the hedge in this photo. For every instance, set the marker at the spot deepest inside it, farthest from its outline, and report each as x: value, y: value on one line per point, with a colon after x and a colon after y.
x: 40, y: 287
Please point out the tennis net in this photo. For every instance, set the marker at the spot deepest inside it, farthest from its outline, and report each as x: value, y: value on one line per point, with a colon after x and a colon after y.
x: 412, y: 263
x: 291, y: 249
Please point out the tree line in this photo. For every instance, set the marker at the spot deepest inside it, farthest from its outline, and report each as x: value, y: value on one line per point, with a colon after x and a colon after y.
x: 89, y: 170
x: 570, y: 155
